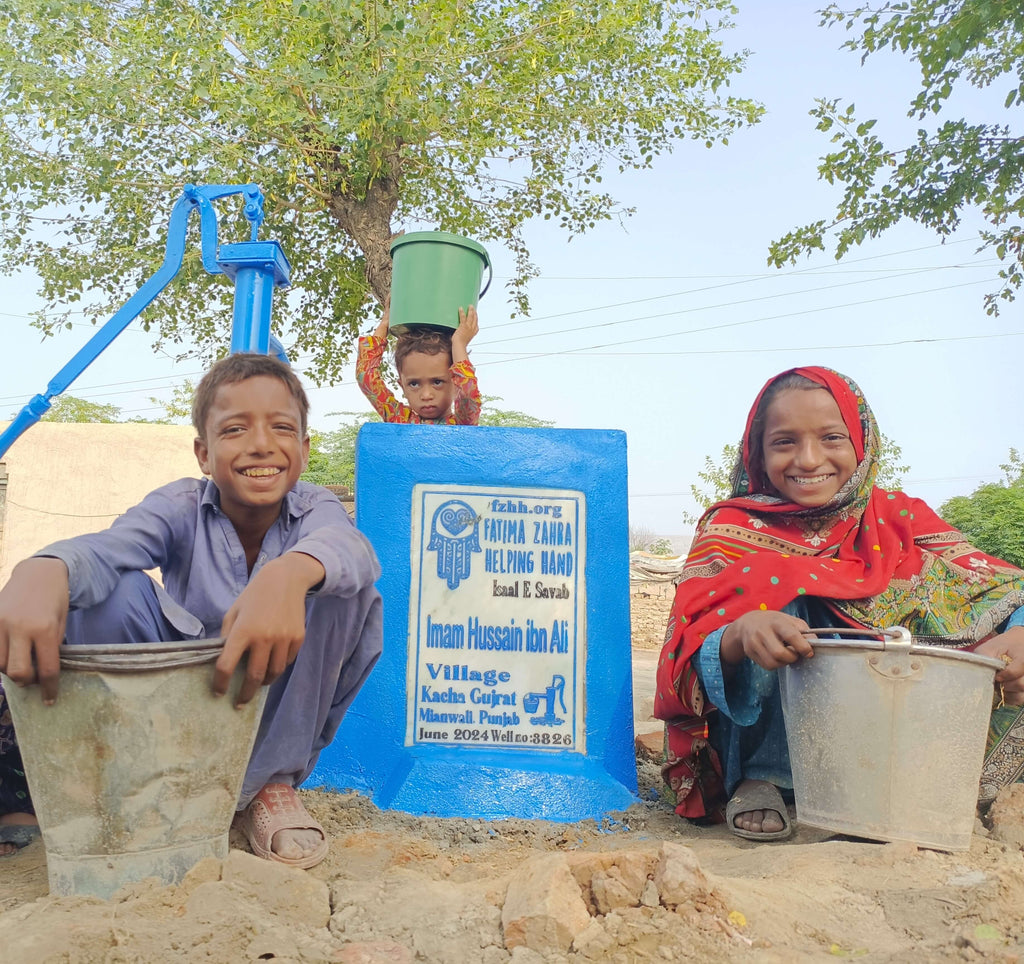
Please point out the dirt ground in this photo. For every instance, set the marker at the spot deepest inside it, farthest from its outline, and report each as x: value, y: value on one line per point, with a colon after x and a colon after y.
x: 398, y: 888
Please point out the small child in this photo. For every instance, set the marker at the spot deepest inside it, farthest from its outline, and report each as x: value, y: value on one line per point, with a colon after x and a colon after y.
x: 434, y: 371
x: 250, y: 553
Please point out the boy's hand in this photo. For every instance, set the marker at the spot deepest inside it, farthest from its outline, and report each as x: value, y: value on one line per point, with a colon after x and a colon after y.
x: 381, y: 331
x: 33, y: 612
x: 267, y: 622
x: 469, y: 325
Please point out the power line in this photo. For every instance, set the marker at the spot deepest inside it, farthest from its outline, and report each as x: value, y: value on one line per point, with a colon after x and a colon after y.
x: 753, y: 276
x: 759, y: 351
x: 749, y: 278
x: 734, y: 324
x: 701, y: 308
x: 66, y: 515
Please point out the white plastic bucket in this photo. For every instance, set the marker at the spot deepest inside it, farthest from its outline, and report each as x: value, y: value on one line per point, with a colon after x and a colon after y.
x: 887, y: 737
x: 135, y: 771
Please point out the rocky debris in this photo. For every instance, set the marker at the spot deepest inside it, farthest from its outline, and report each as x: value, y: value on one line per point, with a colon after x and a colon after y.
x: 679, y: 877
x: 375, y: 952
x: 651, y: 746
x: 562, y: 901
x: 1006, y: 816
x: 243, y: 908
x: 286, y: 891
x: 435, y: 919
x: 543, y: 908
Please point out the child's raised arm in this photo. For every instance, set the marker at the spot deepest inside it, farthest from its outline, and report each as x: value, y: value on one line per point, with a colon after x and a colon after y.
x: 381, y: 331
x: 468, y: 327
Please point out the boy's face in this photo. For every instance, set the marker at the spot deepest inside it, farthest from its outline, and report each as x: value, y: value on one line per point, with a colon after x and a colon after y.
x: 427, y: 385
x: 254, y: 447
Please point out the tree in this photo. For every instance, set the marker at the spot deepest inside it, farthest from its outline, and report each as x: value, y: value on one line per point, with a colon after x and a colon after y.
x: 992, y: 517
x: 945, y: 171
x: 332, y: 454
x: 642, y: 539
x: 69, y: 408
x: 890, y: 465
x: 717, y: 476
x: 508, y: 418
x: 473, y: 117
x: 178, y: 409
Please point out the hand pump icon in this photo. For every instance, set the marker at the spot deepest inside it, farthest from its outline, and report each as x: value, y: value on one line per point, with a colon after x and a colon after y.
x: 531, y: 703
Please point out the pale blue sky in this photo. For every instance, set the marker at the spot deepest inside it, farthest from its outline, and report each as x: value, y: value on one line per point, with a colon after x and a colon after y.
x: 666, y: 326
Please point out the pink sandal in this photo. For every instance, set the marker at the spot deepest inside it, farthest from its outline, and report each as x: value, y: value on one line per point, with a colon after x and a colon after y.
x: 278, y: 807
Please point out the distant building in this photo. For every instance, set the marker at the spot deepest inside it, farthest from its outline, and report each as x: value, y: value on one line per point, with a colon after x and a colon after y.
x: 62, y: 479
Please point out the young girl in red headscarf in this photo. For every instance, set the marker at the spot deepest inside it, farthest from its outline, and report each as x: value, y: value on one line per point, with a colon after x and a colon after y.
x: 807, y: 539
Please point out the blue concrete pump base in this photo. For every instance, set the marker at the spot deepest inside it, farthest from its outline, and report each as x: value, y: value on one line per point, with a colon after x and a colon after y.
x: 416, y: 479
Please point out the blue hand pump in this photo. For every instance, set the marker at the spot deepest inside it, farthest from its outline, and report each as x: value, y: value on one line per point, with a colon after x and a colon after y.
x: 255, y: 267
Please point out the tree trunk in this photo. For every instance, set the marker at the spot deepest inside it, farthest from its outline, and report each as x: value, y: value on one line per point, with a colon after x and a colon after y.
x: 367, y: 220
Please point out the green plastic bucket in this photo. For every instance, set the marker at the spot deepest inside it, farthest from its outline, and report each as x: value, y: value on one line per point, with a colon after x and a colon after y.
x: 434, y: 274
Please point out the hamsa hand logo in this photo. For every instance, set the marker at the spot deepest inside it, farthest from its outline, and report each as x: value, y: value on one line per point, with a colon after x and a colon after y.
x: 454, y: 536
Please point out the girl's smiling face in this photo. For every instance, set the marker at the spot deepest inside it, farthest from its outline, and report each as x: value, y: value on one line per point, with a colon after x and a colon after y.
x: 808, y: 453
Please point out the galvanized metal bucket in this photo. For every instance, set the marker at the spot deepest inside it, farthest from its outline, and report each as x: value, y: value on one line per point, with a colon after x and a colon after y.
x: 887, y: 736
x: 135, y: 771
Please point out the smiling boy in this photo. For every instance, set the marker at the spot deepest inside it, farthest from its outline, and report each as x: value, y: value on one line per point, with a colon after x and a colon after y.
x: 250, y: 553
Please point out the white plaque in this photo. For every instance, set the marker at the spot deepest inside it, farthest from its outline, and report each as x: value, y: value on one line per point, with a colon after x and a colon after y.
x: 497, y: 618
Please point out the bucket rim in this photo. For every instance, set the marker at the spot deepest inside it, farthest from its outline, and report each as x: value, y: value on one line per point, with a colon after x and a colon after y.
x: 446, y: 237
x: 916, y: 648
x: 139, y: 657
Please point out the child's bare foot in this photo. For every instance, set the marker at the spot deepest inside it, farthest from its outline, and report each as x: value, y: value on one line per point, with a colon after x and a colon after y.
x: 16, y: 830
x: 756, y: 810
x: 296, y: 844
x: 759, y: 821
x: 278, y: 827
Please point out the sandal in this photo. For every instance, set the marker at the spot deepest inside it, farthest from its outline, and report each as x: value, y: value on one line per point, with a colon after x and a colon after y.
x: 19, y: 834
x: 758, y: 795
x: 278, y: 807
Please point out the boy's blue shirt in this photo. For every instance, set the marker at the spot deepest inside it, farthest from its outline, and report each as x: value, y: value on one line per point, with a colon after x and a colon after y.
x: 181, y: 530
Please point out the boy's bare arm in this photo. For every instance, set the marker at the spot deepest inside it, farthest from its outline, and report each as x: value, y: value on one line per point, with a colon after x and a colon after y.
x: 33, y: 613
x: 267, y: 622
x: 469, y: 325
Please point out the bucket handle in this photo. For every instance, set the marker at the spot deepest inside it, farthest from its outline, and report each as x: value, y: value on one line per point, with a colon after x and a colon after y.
x: 490, y: 275
x: 896, y: 638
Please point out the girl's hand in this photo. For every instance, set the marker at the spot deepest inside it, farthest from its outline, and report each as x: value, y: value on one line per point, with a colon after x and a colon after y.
x: 1009, y: 647
x: 771, y: 639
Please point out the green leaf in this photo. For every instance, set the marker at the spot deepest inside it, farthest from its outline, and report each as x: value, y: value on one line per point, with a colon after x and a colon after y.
x: 952, y: 167
x: 356, y: 118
